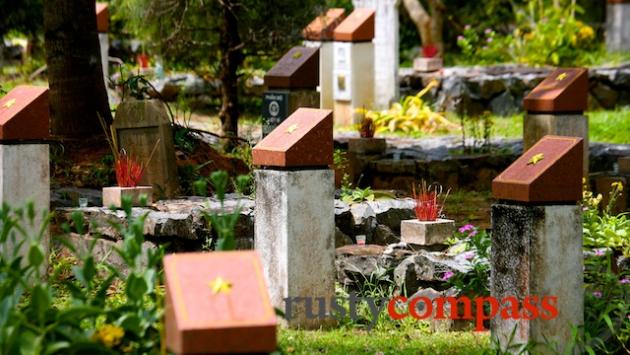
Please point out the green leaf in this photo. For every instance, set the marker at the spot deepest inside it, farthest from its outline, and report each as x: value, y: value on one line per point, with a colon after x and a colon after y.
x: 136, y: 288
x: 35, y: 255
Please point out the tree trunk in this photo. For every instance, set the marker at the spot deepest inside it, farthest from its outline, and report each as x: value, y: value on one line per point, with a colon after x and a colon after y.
x: 429, y: 26
x: 231, y: 58
x: 437, y: 24
x: 75, y: 74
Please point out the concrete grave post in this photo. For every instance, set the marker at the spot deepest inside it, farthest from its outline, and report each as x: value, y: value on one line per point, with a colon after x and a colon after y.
x: 217, y: 303
x: 386, y: 50
x: 102, y: 25
x: 556, y: 106
x: 138, y: 125
x: 295, y: 225
x: 319, y: 34
x: 353, y: 66
x: 291, y: 84
x: 617, y: 25
x: 24, y: 155
x: 537, y: 245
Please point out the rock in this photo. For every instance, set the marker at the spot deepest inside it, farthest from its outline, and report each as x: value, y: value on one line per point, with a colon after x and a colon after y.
x: 390, y: 212
x: 441, y: 325
x: 69, y: 196
x: 383, y: 235
x: 505, y: 104
x: 355, y: 263
x: 426, y: 269
x: 605, y: 95
x: 341, y: 238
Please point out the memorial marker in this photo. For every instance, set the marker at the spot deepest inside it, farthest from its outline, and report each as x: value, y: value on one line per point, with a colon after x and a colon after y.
x: 218, y: 303
x: 537, y: 244
x: 617, y: 25
x: 102, y: 26
x: 556, y: 107
x: 353, y: 66
x: 291, y: 83
x: 319, y: 34
x: 295, y: 222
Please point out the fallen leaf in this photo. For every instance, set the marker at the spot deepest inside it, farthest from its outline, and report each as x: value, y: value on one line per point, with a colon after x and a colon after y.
x: 535, y: 159
x: 292, y: 128
x: 561, y: 76
x: 9, y: 103
x: 219, y: 285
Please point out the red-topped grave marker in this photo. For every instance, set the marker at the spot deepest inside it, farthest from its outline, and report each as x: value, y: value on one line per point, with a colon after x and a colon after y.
x: 565, y: 90
x: 321, y: 28
x: 24, y: 113
x: 550, y: 171
x: 298, y: 68
x: 304, y: 139
x: 218, y: 303
x: 357, y: 27
x: 102, y: 17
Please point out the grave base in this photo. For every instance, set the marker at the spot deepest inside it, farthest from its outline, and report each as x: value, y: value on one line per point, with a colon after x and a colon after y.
x: 367, y: 145
x: 113, y: 196
x: 536, y: 126
x: 413, y: 231
x: 537, y: 251
x: 423, y: 65
x: 25, y: 176
x: 294, y: 235
x: 618, y: 26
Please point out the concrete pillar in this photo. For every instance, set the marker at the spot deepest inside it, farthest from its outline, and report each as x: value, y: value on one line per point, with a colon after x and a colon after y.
x: 353, y: 80
x: 617, y: 25
x: 25, y: 176
x: 325, y: 72
x: 537, y: 251
x: 294, y: 234
x: 386, y: 50
x: 104, y: 41
x: 538, y: 125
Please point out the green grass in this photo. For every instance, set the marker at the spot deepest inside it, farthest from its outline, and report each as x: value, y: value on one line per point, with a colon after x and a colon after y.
x: 348, y: 341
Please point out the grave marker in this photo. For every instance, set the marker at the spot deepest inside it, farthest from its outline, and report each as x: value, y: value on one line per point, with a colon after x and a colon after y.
x: 353, y: 66
x: 24, y: 155
x: 295, y: 226
x: 139, y: 124
x: 319, y: 34
x: 102, y: 26
x: 291, y: 83
x: 217, y: 303
x: 617, y: 25
x: 556, y: 107
x: 537, y: 242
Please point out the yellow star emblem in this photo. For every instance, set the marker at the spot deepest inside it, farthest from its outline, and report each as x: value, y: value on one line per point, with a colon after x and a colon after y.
x: 561, y: 76
x: 297, y: 54
x: 220, y: 285
x: 535, y: 159
x: 292, y: 128
x: 9, y: 103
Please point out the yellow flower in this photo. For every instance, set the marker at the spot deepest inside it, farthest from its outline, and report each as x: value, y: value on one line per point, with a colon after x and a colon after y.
x: 109, y: 335
x: 617, y: 185
x: 586, y: 33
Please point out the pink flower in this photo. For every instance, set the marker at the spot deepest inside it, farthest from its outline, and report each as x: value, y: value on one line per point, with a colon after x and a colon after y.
x: 489, y: 39
x: 467, y: 27
x: 625, y: 280
x: 447, y: 275
x: 597, y: 294
x: 473, y: 233
x: 460, y: 38
x: 487, y: 30
x: 466, y: 228
x: 600, y: 252
x: 469, y: 255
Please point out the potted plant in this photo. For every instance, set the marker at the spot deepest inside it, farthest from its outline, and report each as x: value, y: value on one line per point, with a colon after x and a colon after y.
x: 429, y: 228
x: 429, y: 61
x: 129, y: 172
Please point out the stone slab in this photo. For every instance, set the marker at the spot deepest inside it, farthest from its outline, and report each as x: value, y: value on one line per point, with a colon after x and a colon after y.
x: 549, y: 172
x: 113, y: 196
x: 305, y: 139
x: 537, y: 251
x: 424, y: 65
x: 24, y: 114
x: 217, y: 303
x: 564, y: 90
x: 536, y: 126
x: 367, y: 145
x: 417, y: 232
x: 298, y: 68
x: 357, y: 27
x: 295, y: 237
x: 102, y: 17
x: 322, y: 27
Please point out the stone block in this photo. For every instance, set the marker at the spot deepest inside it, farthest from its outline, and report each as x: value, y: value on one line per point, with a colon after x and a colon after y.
x: 139, y: 124
x: 357, y: 27
x: 297, y: 69
x: 217, y: 303
x: 536, y: 126
x: 113, y: 196
x: 423, y: 65
x: 418, y: 232
x: 617, y: 26
x: 322, y: 27
x: 624, y: 165
x: 353, y: 80
x: 25, y: 176
x: 367, y: 145
x: 537, y: 251
x: 24, y: 114
x: 295, y: 237
x: 565, y: 90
